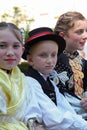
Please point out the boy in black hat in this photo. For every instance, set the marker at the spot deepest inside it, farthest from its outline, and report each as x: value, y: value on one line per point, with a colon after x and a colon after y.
x: 47, y: 105
x: 41, y: 50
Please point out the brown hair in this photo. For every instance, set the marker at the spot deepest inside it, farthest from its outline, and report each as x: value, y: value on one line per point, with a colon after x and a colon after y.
x: 66, y: 21
x: 15, y: 30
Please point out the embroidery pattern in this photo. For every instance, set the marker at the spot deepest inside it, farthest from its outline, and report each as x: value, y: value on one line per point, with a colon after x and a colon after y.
x: 61, y: 76
x: 77, y: 75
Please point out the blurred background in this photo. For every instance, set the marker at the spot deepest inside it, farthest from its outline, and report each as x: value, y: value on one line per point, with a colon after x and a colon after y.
x: 29, y: 14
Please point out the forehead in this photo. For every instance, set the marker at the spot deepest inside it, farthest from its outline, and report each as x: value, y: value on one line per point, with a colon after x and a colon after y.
x: 79, y: 24
x: 44, y: 45
x: 10, y: 31
x: 8, y: 34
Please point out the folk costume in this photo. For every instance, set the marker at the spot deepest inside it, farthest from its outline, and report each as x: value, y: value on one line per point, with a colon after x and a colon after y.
x: 47, y: 86
x: 47, y: 105
x: 54, y: 116
x: 74, y: 83
x: 14, y: 98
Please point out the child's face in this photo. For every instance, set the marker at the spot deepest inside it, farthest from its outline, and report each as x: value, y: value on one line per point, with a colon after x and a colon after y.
x: 43, y: 56
x: 10, y: 49
x: 77, y: 36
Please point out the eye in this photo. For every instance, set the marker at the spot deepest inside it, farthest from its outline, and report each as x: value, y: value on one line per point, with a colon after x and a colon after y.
x: 54, y: 54
x: 43, y: 55
x: 80, y: 31
x: 3, y: 45
x: 16, y: 46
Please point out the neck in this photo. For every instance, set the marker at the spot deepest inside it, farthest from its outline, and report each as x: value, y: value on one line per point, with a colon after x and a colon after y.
x: 7, y: 71
x: 71, y: 55
x: 70, y: 51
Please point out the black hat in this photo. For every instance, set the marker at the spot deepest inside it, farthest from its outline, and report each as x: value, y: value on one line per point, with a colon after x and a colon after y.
x: 40, y: 34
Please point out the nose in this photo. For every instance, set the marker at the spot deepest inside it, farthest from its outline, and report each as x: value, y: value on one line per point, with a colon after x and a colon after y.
x: 49, y: 60
x: 85, y: 35
x: 10, y: 51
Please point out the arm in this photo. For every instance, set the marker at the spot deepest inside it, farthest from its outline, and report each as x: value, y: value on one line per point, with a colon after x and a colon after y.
x: 34, y: 125
x: 84, y: 103
x: 3, y: 102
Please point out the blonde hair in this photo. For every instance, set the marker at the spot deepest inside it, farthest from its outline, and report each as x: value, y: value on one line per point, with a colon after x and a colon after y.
x: 67, y: 20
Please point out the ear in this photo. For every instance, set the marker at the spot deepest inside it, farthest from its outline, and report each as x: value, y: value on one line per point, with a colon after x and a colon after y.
x: 23, y: 50
x: 29, y: 59
x: 62, y: 34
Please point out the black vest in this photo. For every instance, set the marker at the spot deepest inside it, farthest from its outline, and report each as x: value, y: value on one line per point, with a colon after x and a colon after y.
x: 47, y: 87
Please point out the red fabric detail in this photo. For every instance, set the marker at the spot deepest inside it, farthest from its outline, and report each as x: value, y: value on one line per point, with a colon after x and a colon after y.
x: 38, y: 35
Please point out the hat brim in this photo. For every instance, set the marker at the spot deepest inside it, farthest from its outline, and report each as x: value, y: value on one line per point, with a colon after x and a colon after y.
x: 58, y: 39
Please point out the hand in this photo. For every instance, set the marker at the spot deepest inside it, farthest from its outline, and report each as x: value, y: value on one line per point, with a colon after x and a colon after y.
x: 32, y: 124
x: 39, y: 127
x: 83, y: 103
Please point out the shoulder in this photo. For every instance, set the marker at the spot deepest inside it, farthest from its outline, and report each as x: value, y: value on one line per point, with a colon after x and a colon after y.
x: 32, y: 83
x: 29, y: 79
x: 84, y: 61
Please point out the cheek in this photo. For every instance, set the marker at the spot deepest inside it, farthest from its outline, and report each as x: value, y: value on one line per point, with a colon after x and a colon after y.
x: 75, y: 38
x: 18, y: 54
x: 41, y: 62
x: 55, y: 60
x: 2, y: 53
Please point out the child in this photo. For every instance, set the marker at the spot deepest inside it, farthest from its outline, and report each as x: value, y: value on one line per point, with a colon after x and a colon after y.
x: 72, y: 26
x: 14, y: 97
x: 13, y: 91
x: 47, y: 105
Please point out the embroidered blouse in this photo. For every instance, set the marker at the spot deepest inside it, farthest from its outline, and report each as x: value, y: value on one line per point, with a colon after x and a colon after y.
x: 74, y: 86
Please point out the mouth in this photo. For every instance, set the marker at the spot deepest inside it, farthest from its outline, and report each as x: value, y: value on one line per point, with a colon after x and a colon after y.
x: 9, y: 60
x: 49, y: 67
x: 82, y: 43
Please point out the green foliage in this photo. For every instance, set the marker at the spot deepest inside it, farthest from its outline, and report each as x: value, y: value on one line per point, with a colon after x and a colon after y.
x: 26, y: 35
x: 23, y: 66
x: 18, y: 17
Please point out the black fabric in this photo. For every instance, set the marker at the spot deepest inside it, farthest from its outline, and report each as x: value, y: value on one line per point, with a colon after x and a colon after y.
x: 41, y: 34
x: 63, y: 65
x: 47, y: 86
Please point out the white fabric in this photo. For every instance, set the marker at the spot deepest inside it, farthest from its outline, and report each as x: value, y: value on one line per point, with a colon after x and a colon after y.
x: 60, y: 117
x: 75, y: 103
x: 3, y: 101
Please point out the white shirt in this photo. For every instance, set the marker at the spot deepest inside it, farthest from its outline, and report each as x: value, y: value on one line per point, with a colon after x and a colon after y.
x: 60, y: 117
